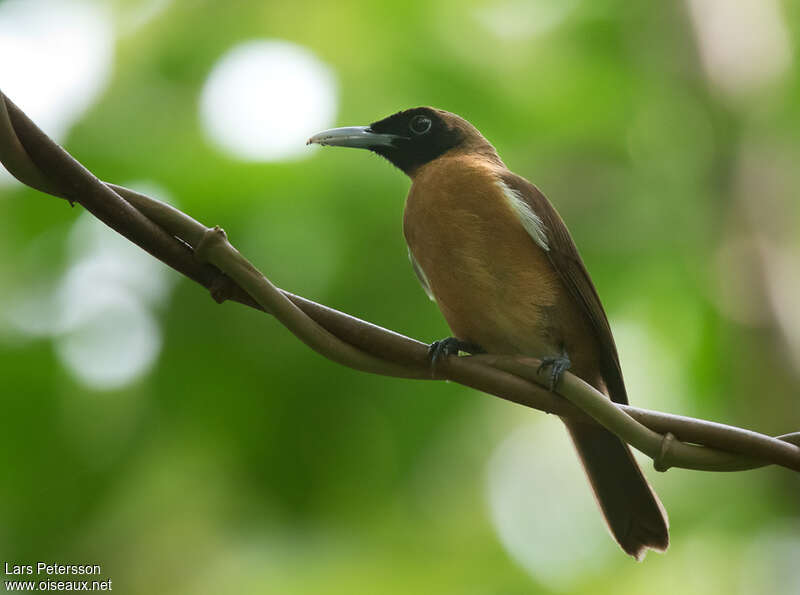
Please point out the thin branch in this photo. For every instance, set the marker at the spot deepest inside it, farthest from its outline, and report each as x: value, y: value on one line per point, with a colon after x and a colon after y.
x: 204, y: 255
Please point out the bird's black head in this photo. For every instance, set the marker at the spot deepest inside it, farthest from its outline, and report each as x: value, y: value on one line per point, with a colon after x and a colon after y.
x: 408, y: 139
x: 421, y: 135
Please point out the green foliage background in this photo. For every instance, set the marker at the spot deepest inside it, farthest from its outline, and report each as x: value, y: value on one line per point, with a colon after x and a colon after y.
x: 245, y: 463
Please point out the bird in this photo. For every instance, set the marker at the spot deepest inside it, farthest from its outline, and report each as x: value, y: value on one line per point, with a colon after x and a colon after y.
x: 495, y: 256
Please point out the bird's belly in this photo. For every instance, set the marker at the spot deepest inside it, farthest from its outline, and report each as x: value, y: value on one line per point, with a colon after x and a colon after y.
x: 493, y: 284
x: 509, y: 318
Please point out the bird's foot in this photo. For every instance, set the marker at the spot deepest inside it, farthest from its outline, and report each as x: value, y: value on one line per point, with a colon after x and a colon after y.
x: 558, y: 365
x: 451, y: 346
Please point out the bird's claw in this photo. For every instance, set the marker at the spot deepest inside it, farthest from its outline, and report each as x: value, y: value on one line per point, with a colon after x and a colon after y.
x: 450, y: 346
x: 558, y: 365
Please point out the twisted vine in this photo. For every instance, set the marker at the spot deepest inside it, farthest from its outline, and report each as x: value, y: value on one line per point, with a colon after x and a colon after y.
x: 204, y: 255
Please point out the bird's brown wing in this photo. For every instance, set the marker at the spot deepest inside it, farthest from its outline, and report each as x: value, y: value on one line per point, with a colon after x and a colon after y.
x: 567, y: 262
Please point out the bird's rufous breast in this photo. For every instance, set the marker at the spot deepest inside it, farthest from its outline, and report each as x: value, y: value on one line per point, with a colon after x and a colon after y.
x: 493, y: 284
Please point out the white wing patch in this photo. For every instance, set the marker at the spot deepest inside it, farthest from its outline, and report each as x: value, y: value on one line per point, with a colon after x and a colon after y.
x: 423, y: 278
x: 530, y: 220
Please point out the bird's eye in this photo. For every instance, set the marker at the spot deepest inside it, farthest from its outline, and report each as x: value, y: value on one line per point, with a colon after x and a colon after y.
x: 420, y: 124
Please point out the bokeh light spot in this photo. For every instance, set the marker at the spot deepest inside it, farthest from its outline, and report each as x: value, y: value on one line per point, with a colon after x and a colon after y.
x: 744, y: 45
x: 520, y: 19
x: 542, y: 507
x: 106, y: 334
x: 57, y: 57
x: 264, y: 98
x: 113, y: 340
x: 100, y: 313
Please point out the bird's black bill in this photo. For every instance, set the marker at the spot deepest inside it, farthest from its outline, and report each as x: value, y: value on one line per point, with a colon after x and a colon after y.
x: 359, y: 137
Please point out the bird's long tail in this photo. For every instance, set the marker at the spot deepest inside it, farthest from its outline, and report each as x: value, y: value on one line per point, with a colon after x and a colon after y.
x: 634, y: 513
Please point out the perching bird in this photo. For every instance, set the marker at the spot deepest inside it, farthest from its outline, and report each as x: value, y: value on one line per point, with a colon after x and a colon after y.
x: 495, y: 256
